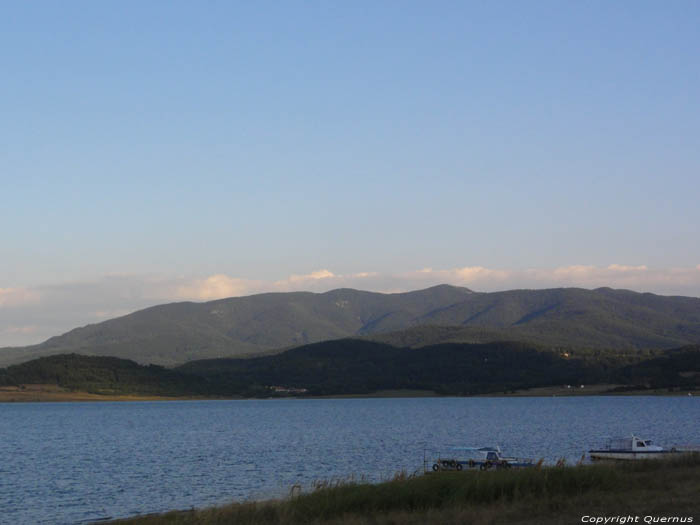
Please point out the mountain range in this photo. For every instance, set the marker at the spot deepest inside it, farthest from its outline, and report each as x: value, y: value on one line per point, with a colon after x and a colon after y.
x: 176, y: 333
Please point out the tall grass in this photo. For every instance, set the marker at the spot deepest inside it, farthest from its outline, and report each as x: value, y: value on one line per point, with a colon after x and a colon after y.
x: 451, y: 489
x: 420, y: 494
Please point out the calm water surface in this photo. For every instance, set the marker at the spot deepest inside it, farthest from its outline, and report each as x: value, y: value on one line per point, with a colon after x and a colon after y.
x: 66, y: 463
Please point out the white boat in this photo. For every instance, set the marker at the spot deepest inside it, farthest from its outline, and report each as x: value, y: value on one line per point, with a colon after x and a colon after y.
x: 632, y: 447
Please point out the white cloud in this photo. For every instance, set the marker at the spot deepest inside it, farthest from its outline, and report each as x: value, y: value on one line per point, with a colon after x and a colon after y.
x: 18, y: 296
x: 476, y: 273
x: 576, y: 271
x: 313, y: 276
x: 362, y: 275
x: 624, y: 268
x: 641, y: 278
x: 465, y: 276
x: 214, y: 287
x: 683, y: 281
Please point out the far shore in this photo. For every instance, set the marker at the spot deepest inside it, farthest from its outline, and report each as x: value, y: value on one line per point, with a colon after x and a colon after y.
x: 42, y: 393
x: 53, y: 393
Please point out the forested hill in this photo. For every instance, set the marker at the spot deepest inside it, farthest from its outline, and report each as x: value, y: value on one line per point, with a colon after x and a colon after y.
x: 351, y: 366
x: 100, y: 374
x: 176, y: 333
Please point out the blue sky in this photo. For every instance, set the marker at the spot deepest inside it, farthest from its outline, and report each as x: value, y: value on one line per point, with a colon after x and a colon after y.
x: 158, y: 151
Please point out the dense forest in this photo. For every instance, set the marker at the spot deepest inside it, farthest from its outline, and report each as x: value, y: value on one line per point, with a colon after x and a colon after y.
x: 101, y: 375
x: 351, y: 366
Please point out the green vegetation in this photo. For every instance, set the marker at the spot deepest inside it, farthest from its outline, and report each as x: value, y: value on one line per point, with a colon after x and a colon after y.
x: 679, y: 369
x: 595, y: 320
x: 100, y: 375
x: 546, y: 495
x: 351, y: 366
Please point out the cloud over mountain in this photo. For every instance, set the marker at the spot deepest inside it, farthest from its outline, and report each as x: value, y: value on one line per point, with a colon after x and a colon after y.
x: 32, y: 314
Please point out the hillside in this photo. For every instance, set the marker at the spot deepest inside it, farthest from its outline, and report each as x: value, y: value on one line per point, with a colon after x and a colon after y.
x: 103, y: 375
x: 244, y: 326
x: 351, y: 366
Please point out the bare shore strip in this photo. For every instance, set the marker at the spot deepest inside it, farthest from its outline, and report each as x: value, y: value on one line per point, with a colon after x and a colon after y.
x: 645, y: 490
x: 43, y: 393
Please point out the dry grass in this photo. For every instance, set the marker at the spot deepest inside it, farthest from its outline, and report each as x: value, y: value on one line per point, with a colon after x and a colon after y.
x: 49, y: 392
x: 550, y: 495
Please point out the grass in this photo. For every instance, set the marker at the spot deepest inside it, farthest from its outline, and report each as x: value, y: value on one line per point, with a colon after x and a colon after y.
x: 50, y: 392
x: 547, y: 495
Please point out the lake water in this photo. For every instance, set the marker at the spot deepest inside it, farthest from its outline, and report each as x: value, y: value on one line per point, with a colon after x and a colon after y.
x: 66, y: 463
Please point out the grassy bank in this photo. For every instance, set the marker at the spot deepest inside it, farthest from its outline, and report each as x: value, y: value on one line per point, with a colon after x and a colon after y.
x: 43, y: 393
x: 551, y: 495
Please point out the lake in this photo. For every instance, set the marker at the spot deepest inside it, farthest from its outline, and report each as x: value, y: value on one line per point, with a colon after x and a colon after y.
x: 67, y: 463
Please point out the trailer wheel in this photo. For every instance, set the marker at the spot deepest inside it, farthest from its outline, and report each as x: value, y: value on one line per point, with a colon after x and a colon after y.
x: 459, y: 466
x: 436, y: 467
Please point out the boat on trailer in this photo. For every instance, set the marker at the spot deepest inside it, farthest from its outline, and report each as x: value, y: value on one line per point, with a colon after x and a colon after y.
x: 482, y: 458
x: 633, y: 447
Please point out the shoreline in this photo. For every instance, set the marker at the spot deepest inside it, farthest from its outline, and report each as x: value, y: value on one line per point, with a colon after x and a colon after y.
x: 56, y: 394
x: 45, y: 393
x: 547, y: 495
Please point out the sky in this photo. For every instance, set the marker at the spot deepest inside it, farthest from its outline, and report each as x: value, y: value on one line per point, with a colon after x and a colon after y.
x: 160, y: 151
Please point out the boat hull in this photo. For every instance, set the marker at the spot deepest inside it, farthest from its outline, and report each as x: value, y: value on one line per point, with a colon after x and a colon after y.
x: 627, y: 455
